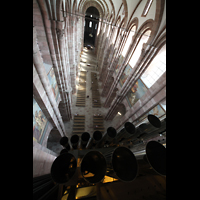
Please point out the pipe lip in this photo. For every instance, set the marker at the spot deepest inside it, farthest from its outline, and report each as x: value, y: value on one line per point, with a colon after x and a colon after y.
x: 64, y: 140
x: 111, y: 132
x: 155, y: 121
x: 156, y: 156
x: 74, y: 139
x: 99, y: 166
x: 63, y: 168
x: 85, y: 136
x: 97, y: 135
x: 124, y: 164
x: 129, y: 127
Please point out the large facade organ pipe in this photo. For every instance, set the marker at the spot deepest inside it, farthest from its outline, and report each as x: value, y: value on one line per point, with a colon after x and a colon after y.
x: 97, y: 135
x: 121, y: 163
x: 108, y: 137
x: 93, y: 166
x: 127, y: 132
x: 153, y: 124
x: 154, y: 133
x: 84, y: 139
x: 74, y: 141
x: 64, y: 142
x: 63, y: 168
x: 152, y: 156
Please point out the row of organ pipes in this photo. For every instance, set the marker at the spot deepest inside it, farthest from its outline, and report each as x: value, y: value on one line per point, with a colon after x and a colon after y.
x: 122, y: 160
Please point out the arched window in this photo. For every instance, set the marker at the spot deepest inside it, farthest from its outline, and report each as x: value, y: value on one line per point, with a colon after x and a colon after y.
x: 138, y: 48
x: 156, y: 68
x: 128, y: 41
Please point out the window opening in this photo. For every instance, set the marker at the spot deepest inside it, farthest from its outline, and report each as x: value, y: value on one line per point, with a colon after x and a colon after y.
x: 156, y: 68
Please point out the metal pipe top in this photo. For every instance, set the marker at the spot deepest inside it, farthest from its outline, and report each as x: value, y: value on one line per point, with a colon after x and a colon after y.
x: 154, y: 120
x: 93, y: 167
x: 74, y: 139
x: 130, y: 128
x: 97, y: 135
x: 63, y: 168
x: 85, y: 136
x: 111, y: 132
x: 64, y: 140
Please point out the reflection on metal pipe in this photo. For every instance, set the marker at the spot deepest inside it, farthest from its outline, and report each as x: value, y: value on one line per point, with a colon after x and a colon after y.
x: 93, y: 167
x: 123, y: 162
x: 84, y: 139
x: 74, y: 141
x: 63, y: 168
x: 64, y: 142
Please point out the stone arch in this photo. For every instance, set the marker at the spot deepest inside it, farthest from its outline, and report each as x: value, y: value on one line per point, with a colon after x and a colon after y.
x: 126, y: 13
x: 121, y: 109
x: 53, y: 141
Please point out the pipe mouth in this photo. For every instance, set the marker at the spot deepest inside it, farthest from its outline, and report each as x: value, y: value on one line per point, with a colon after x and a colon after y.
x: 124, y: 164
x: 64, y: 140
x: 129, y: 127
x: 154, y: 120
x: 85, y: 136
x: 156, y: 156
x: 93, y: 167
x: 111, y: 132
x: 74, y: 139
x: 63, y: 168
x: 97, y: 135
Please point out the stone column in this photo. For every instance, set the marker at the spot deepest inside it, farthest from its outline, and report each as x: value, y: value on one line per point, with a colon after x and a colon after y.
x: 38, y: 63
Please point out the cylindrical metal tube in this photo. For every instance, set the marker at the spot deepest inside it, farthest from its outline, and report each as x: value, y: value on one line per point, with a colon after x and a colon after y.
x: 122, y: 163
x: 145, y: 135
x: 153, y: 124
x: 74, y: 141
x: 84, y: 139
x: 93, y: 166
x: 63, y: 168
x: 127, y: 132
x: 64, y: 142
x: 155, y: 154
x: 108, y: 137
x: 97, y: 135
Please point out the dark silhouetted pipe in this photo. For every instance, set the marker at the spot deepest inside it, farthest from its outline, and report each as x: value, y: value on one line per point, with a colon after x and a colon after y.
x: 96, y: 137
x: 150, y: 129
x: 156, y: 156
x: 127, y: 132
x: 84, y: 139
x: 155, y: 153
x: 123, y: 163
x: 153, y: 123
x: 74, y: 141
x: 64, y: 142
x: 93, y: 166
x: 107, y: 137
x: 63, y: 168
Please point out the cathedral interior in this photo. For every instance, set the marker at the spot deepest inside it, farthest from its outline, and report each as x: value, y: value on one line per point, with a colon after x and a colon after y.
x: 99, y: 99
